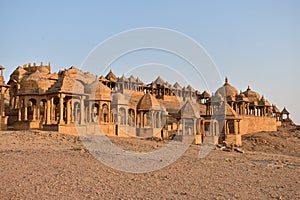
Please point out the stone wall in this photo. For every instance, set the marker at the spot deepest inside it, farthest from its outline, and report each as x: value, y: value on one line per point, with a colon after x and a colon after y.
x: 254, y: 124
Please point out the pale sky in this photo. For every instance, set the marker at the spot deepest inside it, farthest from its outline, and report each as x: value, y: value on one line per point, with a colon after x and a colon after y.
x: 254, y: 43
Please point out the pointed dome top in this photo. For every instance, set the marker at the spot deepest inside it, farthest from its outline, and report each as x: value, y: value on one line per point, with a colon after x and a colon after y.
x: 205, y: 95
x: 177, y: 86
x: 122, y: 79
x: 159, y: 81
x: 111, y: 76
x: 227, y: 90
x: 284, y: 111
x: 252, y: 95
x: 189, y: 110
x: 131, y: 78
x: 148, y: 102
x: 189, y: 87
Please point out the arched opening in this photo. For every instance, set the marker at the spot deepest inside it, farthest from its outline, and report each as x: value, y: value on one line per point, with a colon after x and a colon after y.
x: 95, y: 112
x: 105, y: 112
x: 76, y: 113
x: 31, y: 109
x: 43, y: 110
x: 131, y: 117
x: 122, y: 113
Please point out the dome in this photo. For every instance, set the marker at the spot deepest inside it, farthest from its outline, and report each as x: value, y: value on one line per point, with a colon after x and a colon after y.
x: 44, y: 70
x: 148, y: 102
x: 35, y: 83
x: 252, y: 95
x: 227, y: 90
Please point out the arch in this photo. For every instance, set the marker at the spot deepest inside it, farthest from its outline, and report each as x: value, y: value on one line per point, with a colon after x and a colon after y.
x: 95, y: 112
x: 230, y: 125
x: 131, y: 117
x: 31, y: 109
x: 122, y: 114
x: 43, y: 110
x: 105, y: 113
x: 76, y: 112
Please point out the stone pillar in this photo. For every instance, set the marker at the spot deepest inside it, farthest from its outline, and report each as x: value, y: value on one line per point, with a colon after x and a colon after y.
x: 2, y: 103
x: 109, y: 114
x: 33, y: 112
x: 45, y: 112
x: 20, y: 114
x: 61, y: 109
x: 141, y: 119
x: 82, y: 110
x: 25, y: 111
x: 48, y: 114
x: 68, y: 102
x: 153, y: 121
x: 135, y: 118
x: 38, y: 107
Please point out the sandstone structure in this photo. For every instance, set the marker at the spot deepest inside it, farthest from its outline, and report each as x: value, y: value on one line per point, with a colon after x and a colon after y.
x: 72, y: 101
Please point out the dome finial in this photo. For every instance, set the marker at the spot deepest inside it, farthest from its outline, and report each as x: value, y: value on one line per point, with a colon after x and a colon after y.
x: 226, y: 79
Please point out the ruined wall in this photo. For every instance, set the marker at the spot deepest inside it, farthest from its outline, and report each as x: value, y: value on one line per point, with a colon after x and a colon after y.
x: 253, y: 124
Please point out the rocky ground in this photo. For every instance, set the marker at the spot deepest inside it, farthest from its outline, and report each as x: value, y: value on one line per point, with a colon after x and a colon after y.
x: 48, y: 165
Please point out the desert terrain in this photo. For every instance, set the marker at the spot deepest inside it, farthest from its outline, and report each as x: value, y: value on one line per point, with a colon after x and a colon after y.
x: 50, y: 165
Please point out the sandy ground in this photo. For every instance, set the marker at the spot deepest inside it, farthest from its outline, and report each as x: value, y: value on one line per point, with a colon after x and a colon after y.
x: 48, y: 165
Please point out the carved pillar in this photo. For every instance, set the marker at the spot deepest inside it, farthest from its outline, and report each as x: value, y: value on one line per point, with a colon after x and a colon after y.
x: 61, y: 109
x: 33, y: 112
x: 38, y: 107
x: 153, y: 121
x: 142, y: 119
x: 20, y: 114
x: 82, y: 110
x: 48, y: 119
x: 25, y: 111
x: 2, y: 102
x: 68, y: 102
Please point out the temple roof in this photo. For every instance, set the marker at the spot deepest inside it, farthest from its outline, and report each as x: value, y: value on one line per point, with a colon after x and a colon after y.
x: 205, y: 95
x: 1, y: 67
x: 189, y: 110
x: 227, y: 90
x: 103, y: 79
x: 177, y: 86
x: 111, y: 76
x: 148, y: 102
x: 190, y: 88
x: 285, y: 112
x: 122, y: 78
x: 159, y: 81
x: 226, y: 110
x: 275, y: 109
x: 264, y: 102
x: 131, y: 78
x: 252, y: 95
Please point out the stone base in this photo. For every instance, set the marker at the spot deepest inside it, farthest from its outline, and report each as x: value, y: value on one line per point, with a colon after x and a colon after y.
x: 198, y: 139
x: 148, y: 132
x: 82, y: 130
x: 210, y: 140
x: 236, y: 140
x: 26, y: 125
x: 3, y: 123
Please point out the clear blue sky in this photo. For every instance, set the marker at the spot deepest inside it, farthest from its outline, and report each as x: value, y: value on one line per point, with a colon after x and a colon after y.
x: 254, y: 43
